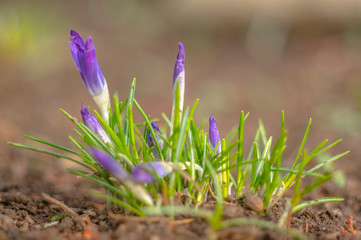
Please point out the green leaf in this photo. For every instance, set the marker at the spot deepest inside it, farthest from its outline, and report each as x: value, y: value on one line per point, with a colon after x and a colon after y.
x: 53, y: 145
x: 41, y: 150
x: 130, y: 102
x: 263, y: 224
x: 131, y: 131
x: 302, y: 144
x: 240, y: 154
x: 329, y: 161
x: 316, y: 202
x: 147, y: 120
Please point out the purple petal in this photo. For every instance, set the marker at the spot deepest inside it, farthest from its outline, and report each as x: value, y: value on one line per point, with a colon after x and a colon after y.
x: 93, y: 124
x: 147, y: 172
x: 85, y: 59
x: 76, y: 43
x: 77, y: 39
x: 214, y: 134
x: 151, y: 142
x: 179, y: 66
x: 109, y: 163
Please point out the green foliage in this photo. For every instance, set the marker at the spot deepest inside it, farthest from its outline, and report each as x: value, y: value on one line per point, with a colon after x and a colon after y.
x: 198, y: 171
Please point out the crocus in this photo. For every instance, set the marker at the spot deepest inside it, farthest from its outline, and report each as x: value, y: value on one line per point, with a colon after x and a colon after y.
x: 214, y: 134
x: 145, y: 173
x: 92, y: 123
x: 109, y: 164
x: 151, y: 141
x: 141, y: 173
x: 112, y: 166
x: 178, y: 75
x: 84, y: 56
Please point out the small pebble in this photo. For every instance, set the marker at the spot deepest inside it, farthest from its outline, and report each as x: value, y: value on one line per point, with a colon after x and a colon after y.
x: 31, y: 209
x: 37, y: 226
x: 90, y: 213
x: 254, y: 203
x: 66, y: 224
x: 10, y: 213
x: 21, y: 198
x: 7, y: 224
x: 24, y: 227
x: 335, y: 213
x: 29, y: 219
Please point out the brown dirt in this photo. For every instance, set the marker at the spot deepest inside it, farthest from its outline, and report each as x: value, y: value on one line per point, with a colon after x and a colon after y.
x: 25, y: 215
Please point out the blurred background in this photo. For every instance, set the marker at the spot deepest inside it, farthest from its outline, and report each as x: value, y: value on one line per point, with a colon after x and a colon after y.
x: 262, y: 57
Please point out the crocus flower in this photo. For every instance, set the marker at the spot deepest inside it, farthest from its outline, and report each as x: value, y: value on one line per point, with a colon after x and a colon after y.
x: 178, y: 75
x: 84, y: 56
x: 112, y: 166
x: 145, y: 173
x: 214, y: 134
x: 92, y: 123
x: 109, y: 164
x: 151, y: 141
x: 141, y: 173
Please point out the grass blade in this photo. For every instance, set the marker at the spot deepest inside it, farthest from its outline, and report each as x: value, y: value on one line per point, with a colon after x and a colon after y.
x: 316, y: 202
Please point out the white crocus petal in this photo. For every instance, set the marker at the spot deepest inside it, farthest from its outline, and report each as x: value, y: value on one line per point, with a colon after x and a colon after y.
x: 278, y: 192
x: 104, y: 136
x: 166, y: 167
x: 230, y: 188
x: 180, y: 80
x: 139, y: 192
x: 103, y: 102
x: 187, y: 165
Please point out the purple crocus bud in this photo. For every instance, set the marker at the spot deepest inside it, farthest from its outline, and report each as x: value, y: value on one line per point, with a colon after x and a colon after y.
x: 147, y: 172
x: 109, y: 163
x: 93, y: 124
x: 214, y: 134
x: 84, y: 56
x: 151, y: 141
x: 178, y: 74
x: 114, y: 168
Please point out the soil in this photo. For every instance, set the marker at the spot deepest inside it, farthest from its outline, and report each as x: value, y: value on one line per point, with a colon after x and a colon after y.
x: 24, y: 214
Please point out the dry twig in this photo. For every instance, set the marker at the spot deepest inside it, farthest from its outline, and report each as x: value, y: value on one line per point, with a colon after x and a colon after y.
x: 66, y: 209
x: 212, y: 193
x: 120, y: 217
x: 180, y: 222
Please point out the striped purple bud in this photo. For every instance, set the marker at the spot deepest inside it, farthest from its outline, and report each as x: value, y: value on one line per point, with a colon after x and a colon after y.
x: 179, y: 74
x: 114, y: 168
x: 84, y: 56
x: 147, y: 172
x: 151, y: 141
x: 109, y: 164
x: 93, y: 124
x: 85, y: 59
x: 214, y: 134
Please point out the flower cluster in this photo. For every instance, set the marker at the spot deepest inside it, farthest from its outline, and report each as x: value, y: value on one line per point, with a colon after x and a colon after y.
x: 153, y: 167
x: 84, y: 56
x: 141, y: 173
